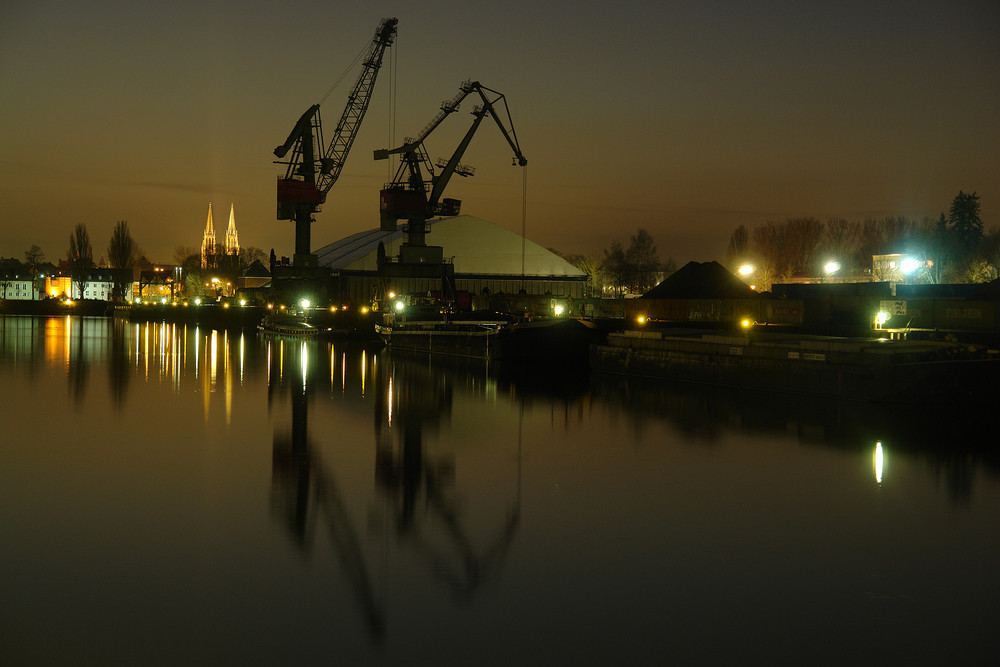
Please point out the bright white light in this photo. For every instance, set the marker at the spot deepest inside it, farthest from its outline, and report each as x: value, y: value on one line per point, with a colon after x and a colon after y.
x: 831, y: 267
x: 746, y: 270
x: 163, y: 301
x: 400, y: 305
x: 558, y: 310
x: 304, y: 303
x: 909, y: 265
x: 879, y: 460
x: 243, y: 302
x: 881, y: 317
x: 197, y: 301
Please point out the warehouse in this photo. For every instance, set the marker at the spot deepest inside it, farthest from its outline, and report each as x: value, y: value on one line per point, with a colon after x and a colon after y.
x: 487, y: 260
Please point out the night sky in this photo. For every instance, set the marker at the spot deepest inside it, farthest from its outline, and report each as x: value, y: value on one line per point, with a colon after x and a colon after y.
x: 685, y: 118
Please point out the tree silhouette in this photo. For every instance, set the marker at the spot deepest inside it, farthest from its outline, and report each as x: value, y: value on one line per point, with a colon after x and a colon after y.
x: 33, y: 256
x: 964, y: 222
x: 80, y: 256
x: 642, y: 261
x: 121, y: 256
x: 739, y: 242
x: 616, y: 266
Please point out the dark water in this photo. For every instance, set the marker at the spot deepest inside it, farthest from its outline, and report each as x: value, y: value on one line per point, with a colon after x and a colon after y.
x: 183, y: 496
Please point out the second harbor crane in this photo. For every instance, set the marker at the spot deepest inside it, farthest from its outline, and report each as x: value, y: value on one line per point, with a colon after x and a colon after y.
x: 415, y: 193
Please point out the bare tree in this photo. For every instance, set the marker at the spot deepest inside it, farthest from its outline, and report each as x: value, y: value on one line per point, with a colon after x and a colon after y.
x: 249, y: 255
x: 122, y: 257
x: 739, y: 242
x: 642, y: 261
x: 615, y: 267
x: 80, y: 256
x: 34, y: 256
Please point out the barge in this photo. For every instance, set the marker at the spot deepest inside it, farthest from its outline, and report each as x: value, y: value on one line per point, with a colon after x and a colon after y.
x: 877, y: 369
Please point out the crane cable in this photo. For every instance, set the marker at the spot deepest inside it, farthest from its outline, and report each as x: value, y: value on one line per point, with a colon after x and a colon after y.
x: 393, y: 59
x: 346, y: 72
x: 524, y: 215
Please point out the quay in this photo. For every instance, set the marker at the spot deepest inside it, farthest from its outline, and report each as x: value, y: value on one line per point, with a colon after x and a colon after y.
x: 876, y: 369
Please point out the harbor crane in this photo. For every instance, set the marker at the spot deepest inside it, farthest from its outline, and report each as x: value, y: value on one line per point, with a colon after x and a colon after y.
x: 415, y: 192
x: 311, y: 173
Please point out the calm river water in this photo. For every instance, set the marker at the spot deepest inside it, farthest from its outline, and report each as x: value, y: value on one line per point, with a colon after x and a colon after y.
x: 174, y: 495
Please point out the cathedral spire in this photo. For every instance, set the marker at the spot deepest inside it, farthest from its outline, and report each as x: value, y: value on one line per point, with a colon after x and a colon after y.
x: 208, y: 242
x: 232, y: 240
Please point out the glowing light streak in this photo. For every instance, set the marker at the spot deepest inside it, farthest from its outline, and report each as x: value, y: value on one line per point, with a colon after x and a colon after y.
x: 305, y: 363
x: 213, y: 356
x: 390, y: 401
x: 879, y: 461
x: 364, y: 364
x: 69, y: 332
x: 269, y: 363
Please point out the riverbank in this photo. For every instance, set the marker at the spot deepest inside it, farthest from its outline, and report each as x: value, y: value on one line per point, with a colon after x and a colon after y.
x: 852, y: 368
x: 54, y: 308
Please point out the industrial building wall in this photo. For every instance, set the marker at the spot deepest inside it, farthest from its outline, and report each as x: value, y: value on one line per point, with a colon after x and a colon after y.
x: 360, y: 289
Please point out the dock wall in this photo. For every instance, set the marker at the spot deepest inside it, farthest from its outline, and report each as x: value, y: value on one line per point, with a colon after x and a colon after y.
x: 867, y: 369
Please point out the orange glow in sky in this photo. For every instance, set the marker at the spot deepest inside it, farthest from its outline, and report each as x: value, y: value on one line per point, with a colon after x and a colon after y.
x: 686, y: 119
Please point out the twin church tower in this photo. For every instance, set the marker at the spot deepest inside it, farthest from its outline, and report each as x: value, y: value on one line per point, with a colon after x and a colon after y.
x: 211, y: 256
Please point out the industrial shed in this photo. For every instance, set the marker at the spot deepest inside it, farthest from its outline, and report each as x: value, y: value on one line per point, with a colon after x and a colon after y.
x: 487, y: 259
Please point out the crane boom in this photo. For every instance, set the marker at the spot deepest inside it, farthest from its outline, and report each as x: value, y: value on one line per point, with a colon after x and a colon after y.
x: 417, y: 198
x: 309, y: 175
x: 357, y: 106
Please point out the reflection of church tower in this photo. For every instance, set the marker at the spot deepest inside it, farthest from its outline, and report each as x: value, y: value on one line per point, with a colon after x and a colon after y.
x: 232, y: 240
x: 208, y: 242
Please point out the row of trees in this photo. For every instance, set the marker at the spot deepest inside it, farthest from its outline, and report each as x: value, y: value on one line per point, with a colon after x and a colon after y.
x: 632, y: 270
x: 124, y: 258
x: 955, y: 245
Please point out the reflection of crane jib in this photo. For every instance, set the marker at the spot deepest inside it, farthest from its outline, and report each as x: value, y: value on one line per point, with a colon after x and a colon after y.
x: 409, y: 401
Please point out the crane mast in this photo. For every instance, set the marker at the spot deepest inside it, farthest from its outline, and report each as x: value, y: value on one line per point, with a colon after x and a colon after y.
x: 309, y: 175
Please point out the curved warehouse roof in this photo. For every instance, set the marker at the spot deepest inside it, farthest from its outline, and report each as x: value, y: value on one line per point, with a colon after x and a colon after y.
x: 478, y: 247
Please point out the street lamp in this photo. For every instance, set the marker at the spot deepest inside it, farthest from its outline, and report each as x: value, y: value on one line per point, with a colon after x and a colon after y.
x: 746, y: 269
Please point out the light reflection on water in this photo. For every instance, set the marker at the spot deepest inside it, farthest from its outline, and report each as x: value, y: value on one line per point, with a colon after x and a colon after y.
x: 179, y: 495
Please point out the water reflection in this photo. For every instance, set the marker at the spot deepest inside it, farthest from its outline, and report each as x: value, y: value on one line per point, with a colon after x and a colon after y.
x: 879, y: 461
x: 405, y: 509
x: 955, y: 444
x: 411, y: 401
x: 304, y: 491
x: 422, y: 501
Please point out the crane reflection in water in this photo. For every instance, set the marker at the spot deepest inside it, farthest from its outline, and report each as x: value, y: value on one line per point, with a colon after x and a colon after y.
x: 417, y: 488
